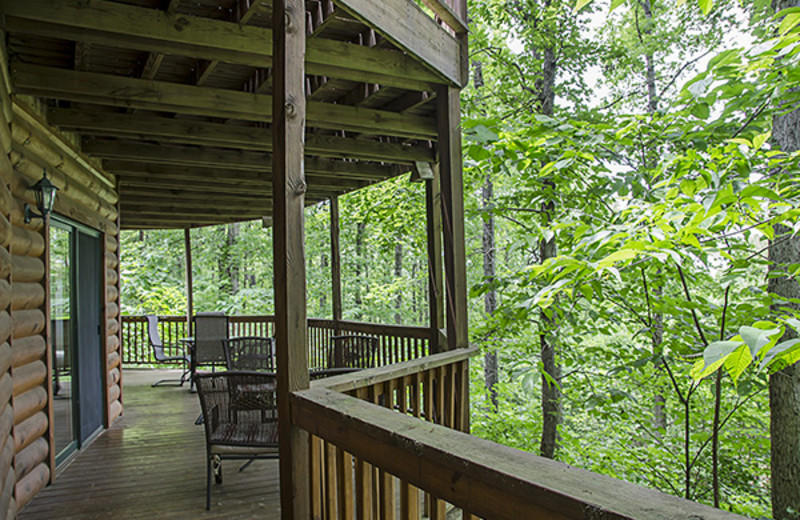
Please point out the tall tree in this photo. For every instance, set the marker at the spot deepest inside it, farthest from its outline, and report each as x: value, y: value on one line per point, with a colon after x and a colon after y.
x: 784, y: 385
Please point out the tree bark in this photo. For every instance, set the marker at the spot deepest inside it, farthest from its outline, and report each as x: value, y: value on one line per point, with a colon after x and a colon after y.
x: 552, y: 407
x: 360, y: 229
x: 398, y: 272
x: 784, y: 385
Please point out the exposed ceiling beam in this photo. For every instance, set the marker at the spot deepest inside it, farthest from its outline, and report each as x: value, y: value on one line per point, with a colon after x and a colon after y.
x: 231, y: 160
x: 151, y: 30
x: 113, y: 124
x: 106, y: 89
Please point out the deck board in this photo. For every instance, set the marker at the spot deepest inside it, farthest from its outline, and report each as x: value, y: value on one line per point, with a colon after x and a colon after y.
x: 151, y: 464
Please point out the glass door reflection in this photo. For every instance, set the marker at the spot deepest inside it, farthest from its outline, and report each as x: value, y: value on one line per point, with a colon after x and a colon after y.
x: 61, y: 314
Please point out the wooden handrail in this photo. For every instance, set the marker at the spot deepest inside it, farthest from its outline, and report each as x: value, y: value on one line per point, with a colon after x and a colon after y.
x: 481, y: 477
x: 397, y: 342
x: 451, y: 12
x: 374, y: 376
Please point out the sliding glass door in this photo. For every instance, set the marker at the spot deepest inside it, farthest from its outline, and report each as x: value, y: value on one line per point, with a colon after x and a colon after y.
x: 75, y: 311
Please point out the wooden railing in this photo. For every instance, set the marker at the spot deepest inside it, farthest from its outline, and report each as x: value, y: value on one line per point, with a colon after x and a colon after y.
x: 362, y: 454
x: 397, y: 343
x: 433, y: 389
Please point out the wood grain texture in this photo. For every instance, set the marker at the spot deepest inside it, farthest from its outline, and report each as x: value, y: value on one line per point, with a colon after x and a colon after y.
x: 488, y: 479
x: 104, y: 89
x: 452, y: 185
x: 151, y: 30
x: 289, y: 187
x: 406, y: 25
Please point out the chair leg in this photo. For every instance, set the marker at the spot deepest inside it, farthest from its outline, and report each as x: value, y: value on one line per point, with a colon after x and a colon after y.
x: 208, y: 482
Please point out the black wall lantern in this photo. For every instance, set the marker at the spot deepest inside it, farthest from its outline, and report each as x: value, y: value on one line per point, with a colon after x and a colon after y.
x: 45, y: 192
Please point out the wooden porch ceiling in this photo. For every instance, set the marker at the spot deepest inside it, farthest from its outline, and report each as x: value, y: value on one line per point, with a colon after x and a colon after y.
x: 175, y: 96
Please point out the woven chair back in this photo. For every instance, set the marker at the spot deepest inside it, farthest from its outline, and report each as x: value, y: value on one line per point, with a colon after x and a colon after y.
x: 249, y: 353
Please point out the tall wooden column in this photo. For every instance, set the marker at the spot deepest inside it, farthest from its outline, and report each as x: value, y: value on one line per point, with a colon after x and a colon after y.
x: 336, y: 266
x: 433, y: 213
x: 187, y: 246
x: 455, y: 271
x: 289, y: 186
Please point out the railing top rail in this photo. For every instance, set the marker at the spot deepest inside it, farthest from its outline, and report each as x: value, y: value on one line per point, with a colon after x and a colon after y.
x: 484, y: 478
x: 451, y: 12
x: 411, y: 331
x: 373, y: 376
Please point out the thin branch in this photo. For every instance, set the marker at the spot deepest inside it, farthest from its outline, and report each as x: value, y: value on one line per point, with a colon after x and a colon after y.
x: 694, y: 314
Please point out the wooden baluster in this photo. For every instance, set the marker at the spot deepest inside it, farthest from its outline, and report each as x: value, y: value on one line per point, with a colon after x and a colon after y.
x: 453, y: 396
x: 317, y: 490
x: 387, y: 511
x: 330, y: 481
x: 363, y: 476
x: 344, y: 477
x: 409, y: 495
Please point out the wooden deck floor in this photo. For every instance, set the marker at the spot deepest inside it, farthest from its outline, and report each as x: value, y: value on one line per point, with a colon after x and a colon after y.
x: 151, y: 464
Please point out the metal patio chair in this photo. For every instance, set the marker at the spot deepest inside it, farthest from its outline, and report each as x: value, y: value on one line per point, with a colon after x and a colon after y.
x: 249, y: 353
x: 159, y: 352
x: 352, y: 351
x: 210, y: 329
x: 240, y: 416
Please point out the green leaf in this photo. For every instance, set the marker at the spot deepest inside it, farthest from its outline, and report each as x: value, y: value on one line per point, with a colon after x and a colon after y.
x: 784, y: 349
x: 580, y: 4
x: 713, y: 357
x: 615, y: 4
x: 706, y: 5
x: 760, y: 139
x: 622, y: 254
x: 737, y: 362
x: 756, y: 338
x: 788, y: 23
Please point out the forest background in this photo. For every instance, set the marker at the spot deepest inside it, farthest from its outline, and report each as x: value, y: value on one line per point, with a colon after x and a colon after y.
x: 631, y: 200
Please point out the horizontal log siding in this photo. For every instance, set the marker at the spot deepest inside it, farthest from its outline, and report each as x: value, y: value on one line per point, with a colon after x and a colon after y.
x: 8, y: 479
x: 26, y: 433
x: 397, y: 343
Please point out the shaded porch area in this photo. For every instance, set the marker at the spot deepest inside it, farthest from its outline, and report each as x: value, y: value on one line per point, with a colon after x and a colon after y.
x: 151, y: 464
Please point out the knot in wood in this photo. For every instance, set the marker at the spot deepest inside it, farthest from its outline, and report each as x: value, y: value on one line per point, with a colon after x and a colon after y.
x: 291, y: 109
x: 287, y: 20
x: 301, y: 187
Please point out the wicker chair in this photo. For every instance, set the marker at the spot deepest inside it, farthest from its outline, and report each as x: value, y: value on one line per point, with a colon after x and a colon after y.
x: 352, y: 351
x: 240, y: 417
x: 249, y: 353
x: 160, y: 355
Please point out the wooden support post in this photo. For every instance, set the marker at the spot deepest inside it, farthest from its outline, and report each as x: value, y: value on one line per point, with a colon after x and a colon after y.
x: 289, y: 187
x: 433, y: 210
x: 336, y: 266
x: 449, y: 125
x: 187, y: 244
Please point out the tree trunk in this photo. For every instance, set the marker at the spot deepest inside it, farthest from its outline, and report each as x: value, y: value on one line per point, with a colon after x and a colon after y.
x: 548, y: 337
x: 232, y: 267
x: 784, y: 385
x: 323, y: 263
x: 360, y: 276
x: 490, y: 298
x: 398, y: 272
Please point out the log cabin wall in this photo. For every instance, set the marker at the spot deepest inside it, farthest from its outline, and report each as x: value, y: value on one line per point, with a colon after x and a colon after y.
x: 7, y: 447
x: 87, y: 196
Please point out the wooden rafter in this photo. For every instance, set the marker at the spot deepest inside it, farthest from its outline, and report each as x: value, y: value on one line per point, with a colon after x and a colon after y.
x: 112, y: 124
x: 105, y: 89
x: 148, y: 30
